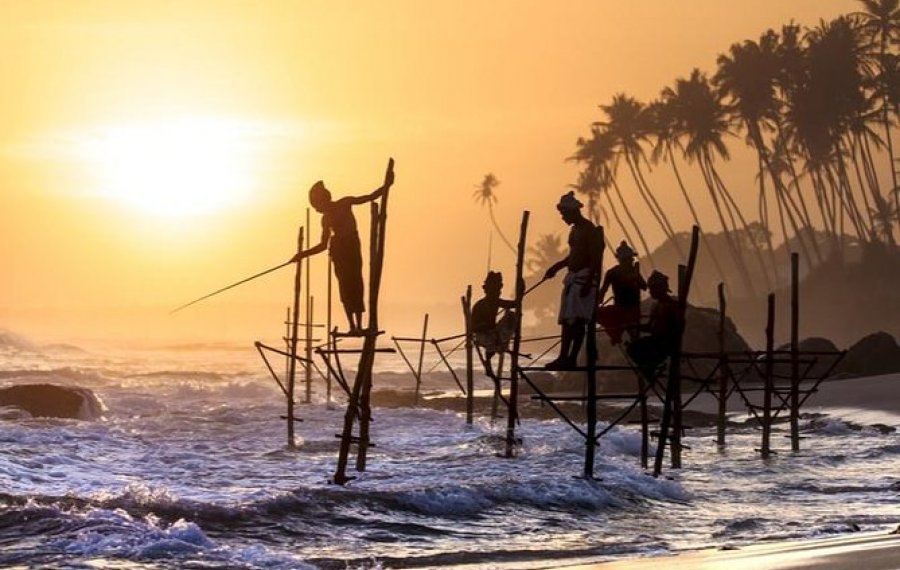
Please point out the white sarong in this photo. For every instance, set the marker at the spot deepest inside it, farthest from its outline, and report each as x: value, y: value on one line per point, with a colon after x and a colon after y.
x: 573, y: 306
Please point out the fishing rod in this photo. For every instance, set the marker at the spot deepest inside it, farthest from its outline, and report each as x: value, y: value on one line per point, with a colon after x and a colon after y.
x: 241, y: 282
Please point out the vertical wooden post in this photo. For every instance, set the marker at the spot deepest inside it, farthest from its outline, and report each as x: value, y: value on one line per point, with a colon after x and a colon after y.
x: 287, y: 341
x: 328, y: 337
x: 674, y: 378
x: 723, y: 370
x: 590, y: 440
x: 513, y: 406
x: 308, y: 353
x: 309, y: 347
x: 421, y: 357
x: 470, y: 377
x: 767, y: 381
x: 795, y: 352
x: 295, y: 320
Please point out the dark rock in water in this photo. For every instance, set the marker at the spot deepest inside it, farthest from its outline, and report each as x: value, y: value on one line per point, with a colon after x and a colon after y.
x: 823, y: 362
x: 813, y: 344
x: 872, y: 355
x: 49, y: 400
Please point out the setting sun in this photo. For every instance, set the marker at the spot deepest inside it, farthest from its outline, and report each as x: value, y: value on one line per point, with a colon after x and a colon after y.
x: 180, y: 167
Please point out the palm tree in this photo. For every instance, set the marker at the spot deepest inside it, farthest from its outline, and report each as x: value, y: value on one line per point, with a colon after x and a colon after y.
x: 701, y: 122
x: 881, y: 19
x: 748, y: 75
x: 628, y: 124
x: 484, y: 193
x: 664, y: 128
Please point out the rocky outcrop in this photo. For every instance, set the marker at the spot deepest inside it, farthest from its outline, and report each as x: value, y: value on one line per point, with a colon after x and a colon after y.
x: 52, y: 401
x: 872, y: 355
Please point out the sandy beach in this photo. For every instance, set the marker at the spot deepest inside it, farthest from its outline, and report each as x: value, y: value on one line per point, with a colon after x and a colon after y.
x: 871, y: 551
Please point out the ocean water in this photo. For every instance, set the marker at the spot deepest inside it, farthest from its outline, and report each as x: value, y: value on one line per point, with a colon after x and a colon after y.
x: 187, y: 468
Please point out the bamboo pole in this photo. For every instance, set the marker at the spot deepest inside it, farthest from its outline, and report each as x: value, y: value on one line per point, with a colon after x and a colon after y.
x: 673, y: 382
x: 295, y: 320
x: 329, y: 338
x: 723, y: 370
x: 308, y: 365
x: 470, y: 376
x: 421, y: 358
x: 309, y: 347
x: 767, y: 381
x: 795, y: 352
x: 590, y: 440
x: 675, y: 379
x: 513, y: 411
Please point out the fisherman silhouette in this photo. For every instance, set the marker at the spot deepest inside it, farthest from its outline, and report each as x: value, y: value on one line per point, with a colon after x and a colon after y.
x: 626, y: 282
x: 579, y: 296
x: 491, y: 335
x: 664, y: 327
x: 340, y: 236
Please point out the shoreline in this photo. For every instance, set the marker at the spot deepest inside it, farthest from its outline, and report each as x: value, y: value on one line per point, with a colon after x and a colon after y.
x: 869, y: 550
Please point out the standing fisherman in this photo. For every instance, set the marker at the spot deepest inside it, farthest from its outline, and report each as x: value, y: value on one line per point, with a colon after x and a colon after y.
x: 627, y: 284
x: 579, y: 294
x: 339, y: 235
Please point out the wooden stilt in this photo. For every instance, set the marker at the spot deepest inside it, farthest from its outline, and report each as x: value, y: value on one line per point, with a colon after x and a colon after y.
x: 308, y: 365
x: 675, y: 359
x: 358, y: 404
x: 421, y: 357
x: 329, y: 338
x: 675, y: 380
x: 513, y: 410
x: 470, y: 373
x: 768, y: 380
x: 795, y: 352
x: 292, y: 367
x: 723, y: 370
x: 590, y: 440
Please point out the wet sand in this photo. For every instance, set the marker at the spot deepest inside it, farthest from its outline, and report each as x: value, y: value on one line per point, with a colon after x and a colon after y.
x: 872, y: 551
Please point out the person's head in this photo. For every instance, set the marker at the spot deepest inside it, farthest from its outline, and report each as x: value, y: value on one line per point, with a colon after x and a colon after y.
x: 493, y: 284
x: 658, y: 285
x: 625, y: 254
x: 569, y: 207
x: 319, y: 196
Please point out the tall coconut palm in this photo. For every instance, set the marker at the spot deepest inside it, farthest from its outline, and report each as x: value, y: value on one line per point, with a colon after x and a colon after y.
x: 882, y: 22
x: 664, y: 128
x: 484, y: 194
x: 747, y: 75
x: 701, y: 122
x: 628, y: 124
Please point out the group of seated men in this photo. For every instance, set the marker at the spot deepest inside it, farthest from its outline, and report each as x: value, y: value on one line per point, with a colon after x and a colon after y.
x: 649, y: 343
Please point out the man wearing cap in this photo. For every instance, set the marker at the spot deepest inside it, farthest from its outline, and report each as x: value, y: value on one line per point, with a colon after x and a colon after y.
x: 492, y: 336
x: 626, y: 282
x: 579, y: 296
x: 664, y: 327
x: 339, y: 235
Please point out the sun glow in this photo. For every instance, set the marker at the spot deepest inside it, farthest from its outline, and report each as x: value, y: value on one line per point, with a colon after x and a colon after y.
x: 182, y: 167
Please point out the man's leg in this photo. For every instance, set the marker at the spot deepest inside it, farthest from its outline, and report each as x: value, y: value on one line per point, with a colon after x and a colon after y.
x: 576, y: 333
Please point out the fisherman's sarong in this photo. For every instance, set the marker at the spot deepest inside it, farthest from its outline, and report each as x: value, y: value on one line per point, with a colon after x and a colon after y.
x: 347, y: 260
x: 573, y: 306
x: 616, y: 319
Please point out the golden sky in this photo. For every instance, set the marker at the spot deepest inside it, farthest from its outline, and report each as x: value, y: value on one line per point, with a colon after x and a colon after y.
x: 151, y: 152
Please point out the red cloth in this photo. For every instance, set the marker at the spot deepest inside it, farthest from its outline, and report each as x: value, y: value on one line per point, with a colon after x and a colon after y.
x: 615, y: 320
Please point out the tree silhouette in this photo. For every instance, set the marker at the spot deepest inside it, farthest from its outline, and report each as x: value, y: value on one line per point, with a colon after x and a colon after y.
x: 484, y: 194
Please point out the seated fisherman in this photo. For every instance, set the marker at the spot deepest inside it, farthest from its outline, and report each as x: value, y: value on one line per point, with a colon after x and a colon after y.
x: 664, y: 328
x: 626, y: 282
x: 491, y: 335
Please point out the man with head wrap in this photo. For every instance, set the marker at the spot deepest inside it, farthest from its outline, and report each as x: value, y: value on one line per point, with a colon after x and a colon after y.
x: 491, y: 335
x: 626, y: 282
x: 579, y: 296
x: 664, y: 328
